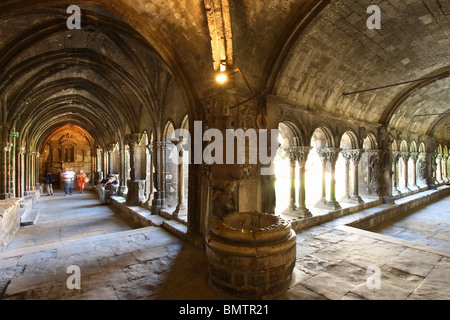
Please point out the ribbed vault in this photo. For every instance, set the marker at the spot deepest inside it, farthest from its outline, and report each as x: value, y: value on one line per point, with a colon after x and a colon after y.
x: 103, y: 77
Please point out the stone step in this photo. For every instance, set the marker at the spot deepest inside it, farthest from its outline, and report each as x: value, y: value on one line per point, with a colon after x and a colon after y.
x: 177, y: 228
x: 29, y: 217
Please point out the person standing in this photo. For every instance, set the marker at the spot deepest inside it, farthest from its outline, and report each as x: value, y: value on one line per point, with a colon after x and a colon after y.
x: 67, y: 177
x: 48, y: 183
x: 81, y: 180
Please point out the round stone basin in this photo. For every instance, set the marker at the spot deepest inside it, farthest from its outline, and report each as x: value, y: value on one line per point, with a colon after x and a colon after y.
x: 251, y: 255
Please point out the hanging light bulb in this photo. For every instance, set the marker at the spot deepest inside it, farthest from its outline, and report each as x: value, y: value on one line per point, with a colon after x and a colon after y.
x: 222, y: 76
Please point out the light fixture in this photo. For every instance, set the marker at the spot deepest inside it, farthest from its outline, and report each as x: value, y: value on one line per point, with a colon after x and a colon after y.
x: 222, y: 77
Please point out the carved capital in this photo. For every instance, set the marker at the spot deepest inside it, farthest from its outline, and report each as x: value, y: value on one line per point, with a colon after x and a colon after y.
x: 395, y: 156
x: 353, y: 155
x: 405, y: 156
x: 302, y: 154
x: 291, y: 153
x: 329, y: 154
x: 134, y: 139
x: 414, y: 156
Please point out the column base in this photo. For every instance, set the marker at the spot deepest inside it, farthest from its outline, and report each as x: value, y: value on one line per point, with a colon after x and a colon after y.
x: 135, y: 195
x: 289, y: 210
x: 332, y: 204
x: 302, y: 213
x: 356, y: 199
x: 180, y: 208
x: 321, y: 203
x: 157, y: 205
x: 5, y: 196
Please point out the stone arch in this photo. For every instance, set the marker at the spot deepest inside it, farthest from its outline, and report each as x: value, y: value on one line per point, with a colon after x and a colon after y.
x: 370, y: 142
x: 349, y: 140
x: 322, y: 137
x: 291, y: 134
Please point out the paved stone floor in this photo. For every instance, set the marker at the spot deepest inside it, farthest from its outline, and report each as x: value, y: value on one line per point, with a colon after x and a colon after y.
x: 118, y: 261
x: 429, y: 225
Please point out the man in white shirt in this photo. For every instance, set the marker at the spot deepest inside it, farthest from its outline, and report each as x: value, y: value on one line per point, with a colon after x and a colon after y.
x: 67, y: 177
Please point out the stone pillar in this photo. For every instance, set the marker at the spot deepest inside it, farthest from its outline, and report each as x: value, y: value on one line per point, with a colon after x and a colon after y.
x: 98, y: 168
x: 405, y: 157
x: 5, y: 171
x: 323, y: 200
x: 414, y: 156
x: 37, y: 181
x: 292, y: 155
x: 444, y: 168
x: 123, y: 172
x: 439, y: 168
x: 181, y: 206
x: 355, y: 157
x: 159, y: 196
x: 27, y: 171
x: 136, y: 184
x: 333, y: 155
x: 346, y: 156
x: 20, y: 172
x: 395, y: 158
x: 329, y: 156
x: 150, y: 178
x: 302, y: 157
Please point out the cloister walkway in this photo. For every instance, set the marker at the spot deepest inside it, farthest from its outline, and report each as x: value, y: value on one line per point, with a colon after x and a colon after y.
x: 118, y: 261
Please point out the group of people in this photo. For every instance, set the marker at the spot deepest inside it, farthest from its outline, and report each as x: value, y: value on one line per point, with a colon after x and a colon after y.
x: 108, y: 186
x: 68, y: 177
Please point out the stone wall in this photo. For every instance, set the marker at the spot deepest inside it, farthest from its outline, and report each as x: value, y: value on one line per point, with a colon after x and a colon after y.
x: 9, y: 221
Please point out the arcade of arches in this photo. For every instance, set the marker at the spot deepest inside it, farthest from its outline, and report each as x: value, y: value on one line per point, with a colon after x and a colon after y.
x: 362, y: 113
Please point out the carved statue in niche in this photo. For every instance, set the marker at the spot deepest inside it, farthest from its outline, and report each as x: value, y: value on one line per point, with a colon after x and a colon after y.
x: 422, y: 169
x: 223, y: 201
x: 374, y: 185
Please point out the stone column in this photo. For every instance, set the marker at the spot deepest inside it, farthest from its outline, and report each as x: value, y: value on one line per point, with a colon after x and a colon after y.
x: 346, y: 155
x: 395, y: 158
x: 292, y: 155
x: 333, y: 155
x: 329, y: 155
x: 136, y: 184
x: 355, y: 157
x: 37, y: 182
x: 439, y: 168
x: 150, y: 179
x: 98, y: 161
x: 302, y: 157
x: 123, y: 172
x: 181, y: 206
x: 405, y: 157
x: 20, y: 163
x: 159, y: 197
x: 5, y: 171
x: 323, y: 158
x: 414, y: 156
x: 444, y: 168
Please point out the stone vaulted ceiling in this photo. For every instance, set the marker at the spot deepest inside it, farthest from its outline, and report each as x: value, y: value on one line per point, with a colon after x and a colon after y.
x: 310, y: 54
